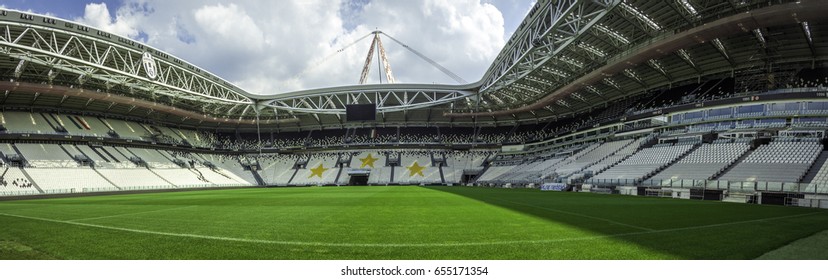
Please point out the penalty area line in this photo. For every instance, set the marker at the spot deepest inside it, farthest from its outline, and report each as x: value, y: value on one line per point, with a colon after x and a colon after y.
x: 130, y: 214
x: 579, y: 215
x: 398, y: 245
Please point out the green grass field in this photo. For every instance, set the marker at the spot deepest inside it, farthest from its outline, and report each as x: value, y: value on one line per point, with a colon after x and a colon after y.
x: 395, y: 223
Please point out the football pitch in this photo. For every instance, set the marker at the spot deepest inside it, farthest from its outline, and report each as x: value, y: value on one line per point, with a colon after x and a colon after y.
x: 395, y: 223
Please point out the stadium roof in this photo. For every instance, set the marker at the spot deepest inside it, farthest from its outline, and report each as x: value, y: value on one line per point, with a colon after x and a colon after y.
x: 567, y: 57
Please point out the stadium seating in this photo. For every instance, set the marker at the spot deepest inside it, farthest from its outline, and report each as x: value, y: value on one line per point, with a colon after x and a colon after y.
x: 597, y: 153
x: 25, y: 122
x: 122, y: 166
x: 321, y: 170
x: 277, y: 169
x: 459, y: 162
x: 59, y: 180
x: 642, y: 164
x: 46, y: 156
x: 783, y: 160
x: 705, y: 162
x: 493, y: 172
x: 127, y: 129
x: 616, y: 157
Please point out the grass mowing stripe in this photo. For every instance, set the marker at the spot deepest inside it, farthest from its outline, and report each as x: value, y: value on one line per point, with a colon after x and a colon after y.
x: 323, y: 244
x: 129, y: 214
x: 577, y: 214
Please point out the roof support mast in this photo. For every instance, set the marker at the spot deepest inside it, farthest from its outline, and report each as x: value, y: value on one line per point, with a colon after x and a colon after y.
x: 366, y: 68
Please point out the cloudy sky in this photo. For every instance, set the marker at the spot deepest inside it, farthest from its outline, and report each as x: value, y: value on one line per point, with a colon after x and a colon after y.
x: 271, y: 47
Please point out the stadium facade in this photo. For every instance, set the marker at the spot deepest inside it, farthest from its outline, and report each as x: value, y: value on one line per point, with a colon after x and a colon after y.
x: 692, y: 99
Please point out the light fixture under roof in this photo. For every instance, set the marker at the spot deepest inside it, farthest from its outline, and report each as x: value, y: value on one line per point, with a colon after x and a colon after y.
x: 611, y: 82
x: 591, y: 49
x: 556, y: 72
x: 540, y: 80
x: 686, y: 56
x: 721, y: 47
x: 807, y: 29
x: 641, y: 16
x: 760, y: 37
x: 657, y: 65
x: 612, y: 33
x: 572, y: 61
x: 630, y: 73
x: 594, y: 90
x: 688, y: 7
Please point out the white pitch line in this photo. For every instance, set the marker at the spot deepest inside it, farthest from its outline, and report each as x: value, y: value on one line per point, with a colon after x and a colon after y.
x: 130, y: 213
x: 323, y: 244
x: 579, y: 215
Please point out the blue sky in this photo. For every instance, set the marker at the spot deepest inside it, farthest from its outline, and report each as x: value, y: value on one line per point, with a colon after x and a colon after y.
x: 62, y: 8
x: 279, y: 46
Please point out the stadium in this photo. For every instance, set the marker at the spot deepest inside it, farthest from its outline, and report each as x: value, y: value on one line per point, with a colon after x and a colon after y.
x: 682, y: 129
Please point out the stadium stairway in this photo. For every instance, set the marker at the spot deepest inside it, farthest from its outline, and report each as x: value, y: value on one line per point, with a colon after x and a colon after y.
x: 814, y: 169
x: 255, y: 171
x: 734, y: 164
x: 295, y: 170
x: 20, y: 154
x: 67, y: 152
x: 483, y: 171
x: 162, y: 178
x: 82, y: 153
x: 104, y: 177
x: 256, y: 176
x: 605, y: 157
x: 49, y: 122
x: 32, y: 181
x: 198, y: 173
x: 442, y: 177
x: 107, y: 153
x: 105, y: 158
x: 679, y: 158
x: 339, y: 173
x: 93, y: 165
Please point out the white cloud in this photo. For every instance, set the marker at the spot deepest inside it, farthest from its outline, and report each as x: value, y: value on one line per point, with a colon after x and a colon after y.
x: 262, y: 45
x: 221, y: 22
x: 98, y: 15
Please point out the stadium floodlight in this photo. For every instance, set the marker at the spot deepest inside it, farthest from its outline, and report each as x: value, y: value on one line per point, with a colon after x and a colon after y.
x: 689, y: 7
x: 591, y: 49
x: 571, y: 61
x: 760, y: 37
x: 612, y: 33
x: 686, y: 56
x: 555, y: 72
x: 640, y: 15
x: 656, y: 65
x: 721, y: 47
x: 630, y: 73
x: 594, y: 90
x: 540, y: 81
x: 807, y: 29
x: 611, y: 82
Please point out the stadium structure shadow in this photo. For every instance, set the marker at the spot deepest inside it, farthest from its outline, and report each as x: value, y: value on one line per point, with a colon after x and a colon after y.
x: 687, y: 229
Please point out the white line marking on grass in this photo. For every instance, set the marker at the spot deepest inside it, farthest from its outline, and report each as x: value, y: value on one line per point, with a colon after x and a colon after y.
x: 579, y: 215
x: 129, y: 214
x: 323, y: 244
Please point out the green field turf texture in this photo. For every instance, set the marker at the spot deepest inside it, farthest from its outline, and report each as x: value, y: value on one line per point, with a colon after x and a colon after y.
x: 395, y: 223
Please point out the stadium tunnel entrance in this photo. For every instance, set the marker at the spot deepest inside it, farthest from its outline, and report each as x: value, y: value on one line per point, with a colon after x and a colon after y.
x: 358, y: 177
x: 358, y: 180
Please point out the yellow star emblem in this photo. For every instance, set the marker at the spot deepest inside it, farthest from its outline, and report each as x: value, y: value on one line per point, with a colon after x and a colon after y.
x: 368, y: 161
x: 318, y: 171
x: 415, y: 168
